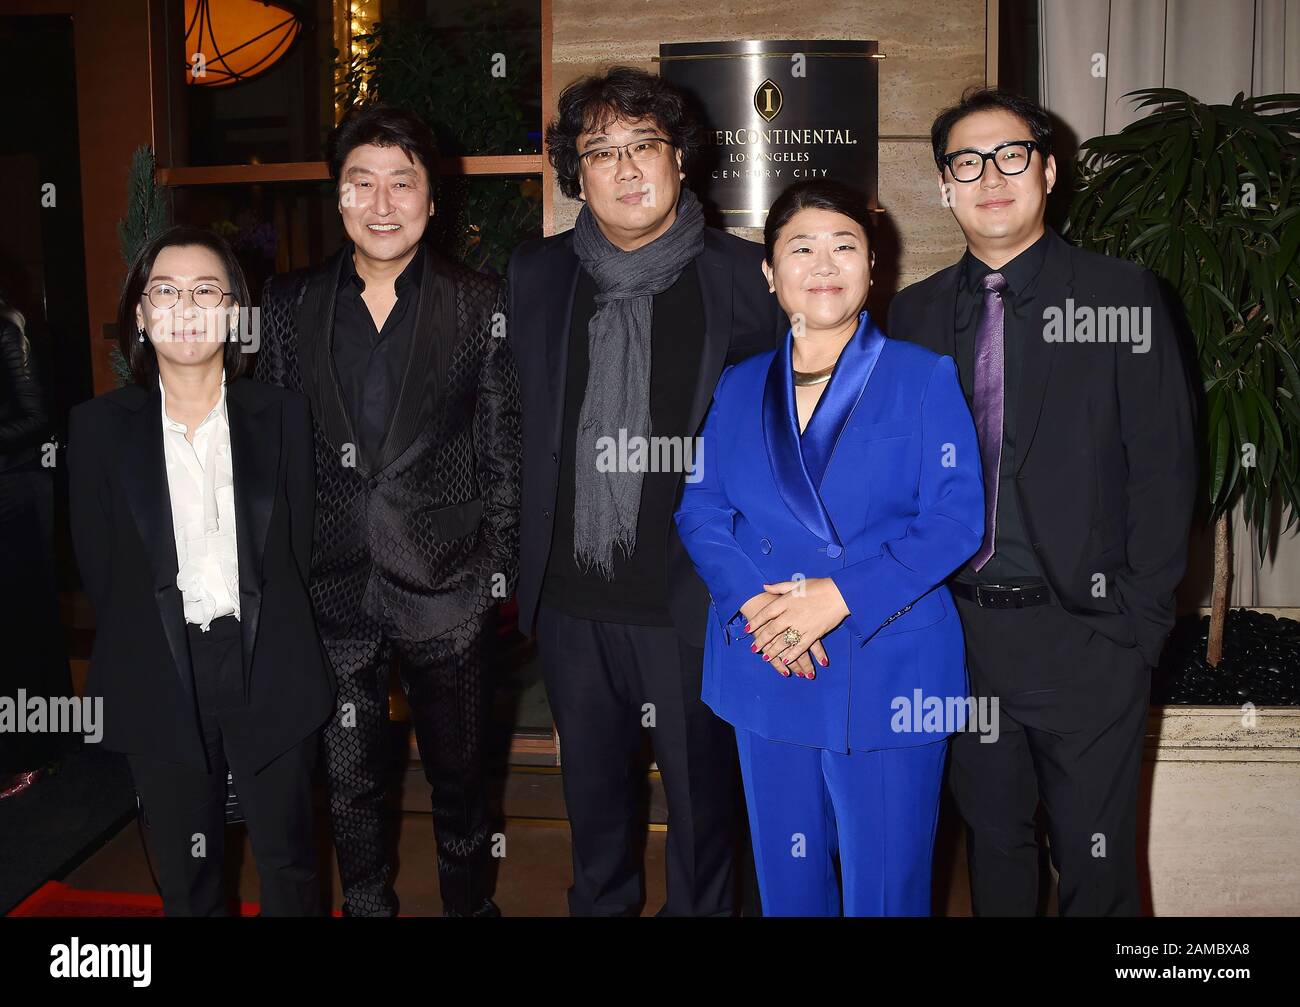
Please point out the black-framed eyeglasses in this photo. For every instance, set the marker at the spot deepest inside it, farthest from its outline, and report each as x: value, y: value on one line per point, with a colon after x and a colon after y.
x: 648, y: 148
x: 1011, y: 158
x: 205, y: 295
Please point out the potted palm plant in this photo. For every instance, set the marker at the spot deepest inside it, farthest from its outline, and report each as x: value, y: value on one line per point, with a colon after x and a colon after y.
x: 1208, y: 198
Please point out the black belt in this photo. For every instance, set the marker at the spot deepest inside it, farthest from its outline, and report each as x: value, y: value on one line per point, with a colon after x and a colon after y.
x: 996, y: 596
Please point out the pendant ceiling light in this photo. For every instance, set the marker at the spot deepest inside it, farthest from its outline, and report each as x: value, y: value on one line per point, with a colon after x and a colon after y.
x: 228, y: 41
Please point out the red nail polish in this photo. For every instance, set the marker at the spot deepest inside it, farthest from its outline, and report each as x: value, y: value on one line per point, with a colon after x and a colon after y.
x: 766, y: 658
x: 746, y: 627
x: 825, y: 662
x: 754, y: 647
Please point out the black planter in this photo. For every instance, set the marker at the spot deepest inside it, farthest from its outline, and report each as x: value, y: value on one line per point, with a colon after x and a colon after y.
x: 1260, y: 664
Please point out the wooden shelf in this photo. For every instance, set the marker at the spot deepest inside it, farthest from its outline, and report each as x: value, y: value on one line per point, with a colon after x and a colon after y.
x: 317, y: 171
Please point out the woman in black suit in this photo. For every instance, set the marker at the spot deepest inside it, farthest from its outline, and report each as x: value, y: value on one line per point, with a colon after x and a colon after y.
x: 191, y: 495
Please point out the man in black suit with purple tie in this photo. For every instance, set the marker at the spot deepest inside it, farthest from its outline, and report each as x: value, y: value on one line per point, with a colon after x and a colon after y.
x: 1071, y: 364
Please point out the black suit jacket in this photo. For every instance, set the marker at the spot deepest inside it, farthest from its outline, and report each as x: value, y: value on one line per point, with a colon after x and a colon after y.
x: 435, y: 518
x: 1106, y: 455
x: 741, y: 318
x: 126, y: 548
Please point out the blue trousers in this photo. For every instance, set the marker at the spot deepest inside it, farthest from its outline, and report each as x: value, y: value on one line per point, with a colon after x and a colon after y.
x: 873, y: 811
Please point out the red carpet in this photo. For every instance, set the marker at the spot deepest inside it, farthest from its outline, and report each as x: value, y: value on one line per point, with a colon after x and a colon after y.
x: 54, y: 898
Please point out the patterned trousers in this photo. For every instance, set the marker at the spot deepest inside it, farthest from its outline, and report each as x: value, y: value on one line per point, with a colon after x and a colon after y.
x: 449, y: 695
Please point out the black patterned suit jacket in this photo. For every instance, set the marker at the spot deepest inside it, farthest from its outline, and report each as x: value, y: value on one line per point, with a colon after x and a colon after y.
x: 436, y: 516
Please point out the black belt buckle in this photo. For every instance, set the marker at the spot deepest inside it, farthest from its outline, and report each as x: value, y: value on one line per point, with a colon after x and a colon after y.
x: 997, y: 596
x: 1009, y: 596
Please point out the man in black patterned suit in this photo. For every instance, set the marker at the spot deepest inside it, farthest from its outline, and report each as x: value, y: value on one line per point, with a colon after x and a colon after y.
x: 415, y: 399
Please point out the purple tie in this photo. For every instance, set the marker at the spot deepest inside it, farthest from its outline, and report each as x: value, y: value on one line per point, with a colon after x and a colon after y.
x: 989, y: 381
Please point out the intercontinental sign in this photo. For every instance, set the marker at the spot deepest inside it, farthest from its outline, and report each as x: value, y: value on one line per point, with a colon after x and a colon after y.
x: 776, y: 112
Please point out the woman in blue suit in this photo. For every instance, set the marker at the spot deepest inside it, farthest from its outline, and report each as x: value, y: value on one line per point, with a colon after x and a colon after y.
x: 837, y: 486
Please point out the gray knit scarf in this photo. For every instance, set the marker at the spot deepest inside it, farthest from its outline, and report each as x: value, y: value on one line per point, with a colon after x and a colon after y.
x: 617, y: 397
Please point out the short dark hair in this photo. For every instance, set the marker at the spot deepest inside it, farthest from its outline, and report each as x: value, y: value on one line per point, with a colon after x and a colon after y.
x: 984, y: 99
x: 622, y: 92
x: 817, y: 194
x: 383, y: 126
x: 139, y: 354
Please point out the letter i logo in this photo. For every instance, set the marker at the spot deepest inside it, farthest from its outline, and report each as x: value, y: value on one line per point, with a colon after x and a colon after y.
x: 768, y: 100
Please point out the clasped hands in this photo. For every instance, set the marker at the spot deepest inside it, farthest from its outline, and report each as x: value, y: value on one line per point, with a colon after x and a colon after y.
x: 812, y: 607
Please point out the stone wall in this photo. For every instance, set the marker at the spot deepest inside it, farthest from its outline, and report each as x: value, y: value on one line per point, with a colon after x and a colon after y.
x: 934, y: 51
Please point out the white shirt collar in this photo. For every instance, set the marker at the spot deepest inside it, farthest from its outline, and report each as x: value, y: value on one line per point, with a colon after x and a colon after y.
x: 218, y: 410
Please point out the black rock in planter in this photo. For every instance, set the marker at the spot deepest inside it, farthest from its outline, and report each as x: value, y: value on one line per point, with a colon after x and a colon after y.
x: 1260, y: 664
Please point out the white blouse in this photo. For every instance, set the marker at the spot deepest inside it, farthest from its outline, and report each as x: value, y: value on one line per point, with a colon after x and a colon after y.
x: 201, y: 485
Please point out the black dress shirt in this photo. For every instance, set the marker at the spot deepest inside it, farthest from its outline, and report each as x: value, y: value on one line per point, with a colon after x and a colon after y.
x: 1013, y: 560
x: 370, y: 363
x: 638, y: 593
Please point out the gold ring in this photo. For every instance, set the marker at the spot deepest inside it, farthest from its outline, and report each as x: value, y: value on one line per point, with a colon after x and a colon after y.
x: 791, y: 637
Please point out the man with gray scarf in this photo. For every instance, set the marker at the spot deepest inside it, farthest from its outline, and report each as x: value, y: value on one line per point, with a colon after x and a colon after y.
x: 620, y: 328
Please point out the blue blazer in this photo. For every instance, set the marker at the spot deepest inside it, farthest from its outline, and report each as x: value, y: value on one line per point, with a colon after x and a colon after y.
x: 882, y: 493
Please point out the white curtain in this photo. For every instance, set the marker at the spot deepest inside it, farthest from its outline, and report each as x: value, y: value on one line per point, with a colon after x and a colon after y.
x: 1209, y: 48
x: 1091, y: 53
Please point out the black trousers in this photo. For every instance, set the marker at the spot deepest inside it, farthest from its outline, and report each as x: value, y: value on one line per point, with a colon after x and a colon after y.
x: 449, y: 695
x: 185, y: 808
x: 1073, y: 710
x: 607, y: 683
